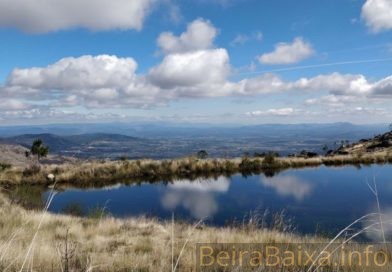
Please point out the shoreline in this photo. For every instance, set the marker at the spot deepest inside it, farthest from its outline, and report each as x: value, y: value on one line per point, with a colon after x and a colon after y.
x: 104, y: 243
x: 108, y: 244
x: 111, y: 244
x: 98, y: 173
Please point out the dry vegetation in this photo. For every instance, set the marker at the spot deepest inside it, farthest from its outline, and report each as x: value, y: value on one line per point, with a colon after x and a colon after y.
x: 108, y: 244
x: 39, y: 241
x: 98, y: 173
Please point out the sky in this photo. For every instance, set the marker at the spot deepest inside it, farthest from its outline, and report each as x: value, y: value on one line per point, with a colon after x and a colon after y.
x: 195, y: 61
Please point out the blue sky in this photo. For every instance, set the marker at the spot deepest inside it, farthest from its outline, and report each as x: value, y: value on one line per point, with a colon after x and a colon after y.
x: 220, y: 61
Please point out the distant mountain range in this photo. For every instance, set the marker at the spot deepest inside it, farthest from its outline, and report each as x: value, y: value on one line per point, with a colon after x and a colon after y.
x: 170, y: 141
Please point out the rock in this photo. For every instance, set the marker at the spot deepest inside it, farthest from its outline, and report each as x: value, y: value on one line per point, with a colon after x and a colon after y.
x: 51, y: 177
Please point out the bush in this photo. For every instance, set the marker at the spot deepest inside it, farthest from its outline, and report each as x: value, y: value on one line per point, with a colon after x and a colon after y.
x: 269, y: 159
x: 202, y: 154
x: 4, y: 166
x: 248, y: 166
x: 31, y: 170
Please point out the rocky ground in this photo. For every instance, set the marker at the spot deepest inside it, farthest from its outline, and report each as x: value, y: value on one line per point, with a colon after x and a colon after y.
x: 15, y: 155
x: 382, y: 142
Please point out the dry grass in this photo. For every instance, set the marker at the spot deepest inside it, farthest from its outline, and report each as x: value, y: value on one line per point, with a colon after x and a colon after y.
x: 102, y: 173
x: 111, y: 244
x: 37, y: 241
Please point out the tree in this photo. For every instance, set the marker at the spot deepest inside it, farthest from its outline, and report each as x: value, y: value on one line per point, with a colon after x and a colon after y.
x: 390, y: 127
x: 202, y: 154
x: 39, y: 149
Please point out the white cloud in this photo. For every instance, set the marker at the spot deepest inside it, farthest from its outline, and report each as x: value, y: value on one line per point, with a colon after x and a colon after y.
x: 199, y: 35
x: 82, y: 73
x: 332, y: 100
x: 109, y: 81
x: 12, y: 105
x: 265, y: 83
x: 241, y: 39
x: 92, y: 81
x: 378, y: 14
x: 282, y: 112
x: 288, y: 53
x: 191, y: 69
x: 41, y: 16
x: 338, y: 84
x: 383, y: 87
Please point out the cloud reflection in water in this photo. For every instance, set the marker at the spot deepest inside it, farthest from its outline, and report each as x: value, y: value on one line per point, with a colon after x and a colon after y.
x: 198, y: 197
x: 288, y: 186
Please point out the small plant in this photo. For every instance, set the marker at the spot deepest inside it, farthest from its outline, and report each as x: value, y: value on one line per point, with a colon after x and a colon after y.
x: 123, y: 158
x: 97, y: 212
x: 4, y: 166
x: 269, y: 159
x: 258, y: 155
x: 67, y: 250
x: 202, y: 154
x: 74, y: 209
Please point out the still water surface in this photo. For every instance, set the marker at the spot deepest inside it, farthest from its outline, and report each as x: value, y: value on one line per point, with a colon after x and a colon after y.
x: 322, y: 199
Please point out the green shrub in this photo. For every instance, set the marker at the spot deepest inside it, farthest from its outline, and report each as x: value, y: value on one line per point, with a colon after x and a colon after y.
x: 4, y: 166
x: 269, y: 160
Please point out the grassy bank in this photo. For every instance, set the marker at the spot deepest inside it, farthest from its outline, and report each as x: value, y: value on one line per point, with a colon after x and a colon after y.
x: 97, y: 173
x: 38, y: 241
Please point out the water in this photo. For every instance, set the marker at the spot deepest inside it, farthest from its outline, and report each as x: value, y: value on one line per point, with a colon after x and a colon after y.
x: 318, y: 200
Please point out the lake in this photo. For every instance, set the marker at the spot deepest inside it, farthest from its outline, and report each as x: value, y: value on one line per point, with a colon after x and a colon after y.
x: 316, y: 200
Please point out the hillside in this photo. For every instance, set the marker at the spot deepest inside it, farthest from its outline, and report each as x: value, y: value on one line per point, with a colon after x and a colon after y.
x: 380, y: 143
x: 13, y: 155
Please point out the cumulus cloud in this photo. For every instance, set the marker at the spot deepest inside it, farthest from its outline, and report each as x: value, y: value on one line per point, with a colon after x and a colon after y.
x: 378, y: 14
x: 82, y: 73
x: 109, y: 81
x: 192, y: 69
x: 383, y: 87
x: 199, y: 35
x: 338, y: 84
x: 334, y: 83
x: 43, y: 16
x: 288, y: 53
x: 88, y: 80
x: 265, y: 83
